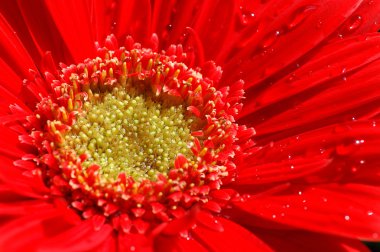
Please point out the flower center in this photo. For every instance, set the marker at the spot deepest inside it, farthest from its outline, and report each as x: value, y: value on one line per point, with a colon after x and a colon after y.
x: 130, y: 133
x: 137, y: 138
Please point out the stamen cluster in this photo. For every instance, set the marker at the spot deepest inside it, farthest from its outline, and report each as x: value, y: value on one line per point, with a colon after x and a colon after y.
x: 70, y: 143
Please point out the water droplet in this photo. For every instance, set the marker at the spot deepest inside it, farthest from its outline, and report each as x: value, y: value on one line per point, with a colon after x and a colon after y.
x: 359, y: 141
x: 362, y: 161
x: 300, y: 15
x: 113, y: 25
x: 246, y: 18
x: 274, y: 216
x: 132, y: 248
x: 355, y: 23
x: 369, y: 213
x: 291, y: 78
x: 347, y: 217
x: 319, y: 23
x: 270, y: 39
x: 299, y: 193
x: 292, y: 167
x: 169, y: 27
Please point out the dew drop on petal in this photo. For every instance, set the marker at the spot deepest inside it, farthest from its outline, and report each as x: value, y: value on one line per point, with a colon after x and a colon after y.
x: 169, y: 27
x: 300, y: 15
x: 355, y: 23
x: 286, y: 206
x: 347, y: 217
x: 270, y: 39
x: 369, y: 213
x: 246, y: 18
x: 359, y: 141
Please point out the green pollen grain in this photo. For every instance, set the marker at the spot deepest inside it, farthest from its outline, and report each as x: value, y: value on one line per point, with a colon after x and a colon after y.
x: 131, y: 134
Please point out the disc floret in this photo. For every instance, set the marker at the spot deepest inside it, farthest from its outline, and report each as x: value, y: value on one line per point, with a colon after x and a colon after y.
x: 137, y: 137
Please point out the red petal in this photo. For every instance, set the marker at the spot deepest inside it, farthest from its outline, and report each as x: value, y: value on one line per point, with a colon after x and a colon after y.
x: 299, y: 241
x: 350, y: 210
x: 214, y: 25
x: 28, y: 231
x: 134, y: 242
x: 233, y: 238
x: 207, y: 220
x: 44, y: 35
x: 352, y: 148
x: 172, y: 243
x: 331, y: 64
x: 365, y: 19
x: 182, y: 223
x: 323, y: 96
x: 272, y: 40
x: 23, y: 207
x: 133, y: 18
x: 13, y: 51
x: 82, y: 237
x: 74, y: 29
x: 283, y: 171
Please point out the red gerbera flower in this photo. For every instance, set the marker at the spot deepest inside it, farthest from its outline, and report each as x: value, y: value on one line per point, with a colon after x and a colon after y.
x: 139, y: 141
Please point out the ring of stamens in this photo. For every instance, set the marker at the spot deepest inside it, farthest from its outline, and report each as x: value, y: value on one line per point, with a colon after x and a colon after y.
x: 136, y: 134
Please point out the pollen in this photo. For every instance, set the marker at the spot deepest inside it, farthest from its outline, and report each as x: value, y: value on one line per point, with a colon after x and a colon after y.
x: 128, y: 133
x: 138, y: 136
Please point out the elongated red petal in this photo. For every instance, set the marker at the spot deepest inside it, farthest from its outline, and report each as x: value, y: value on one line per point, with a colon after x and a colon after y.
x: 29, y: 230
x: 239, y: 239
x: 350, y: 210
x: 273, y: 42
x: 331, y: 67
x: 13, y: 50
x: 78, y: 238
x: 73, y: 20
x: 299, y: 241
x: 281, y: 171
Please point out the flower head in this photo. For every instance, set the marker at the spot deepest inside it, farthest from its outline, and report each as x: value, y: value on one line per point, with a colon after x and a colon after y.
x: 199, y: 125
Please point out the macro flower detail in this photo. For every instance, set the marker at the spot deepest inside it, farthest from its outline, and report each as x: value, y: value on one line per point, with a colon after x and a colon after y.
x: 113, y: 139
x: 189, y: 125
